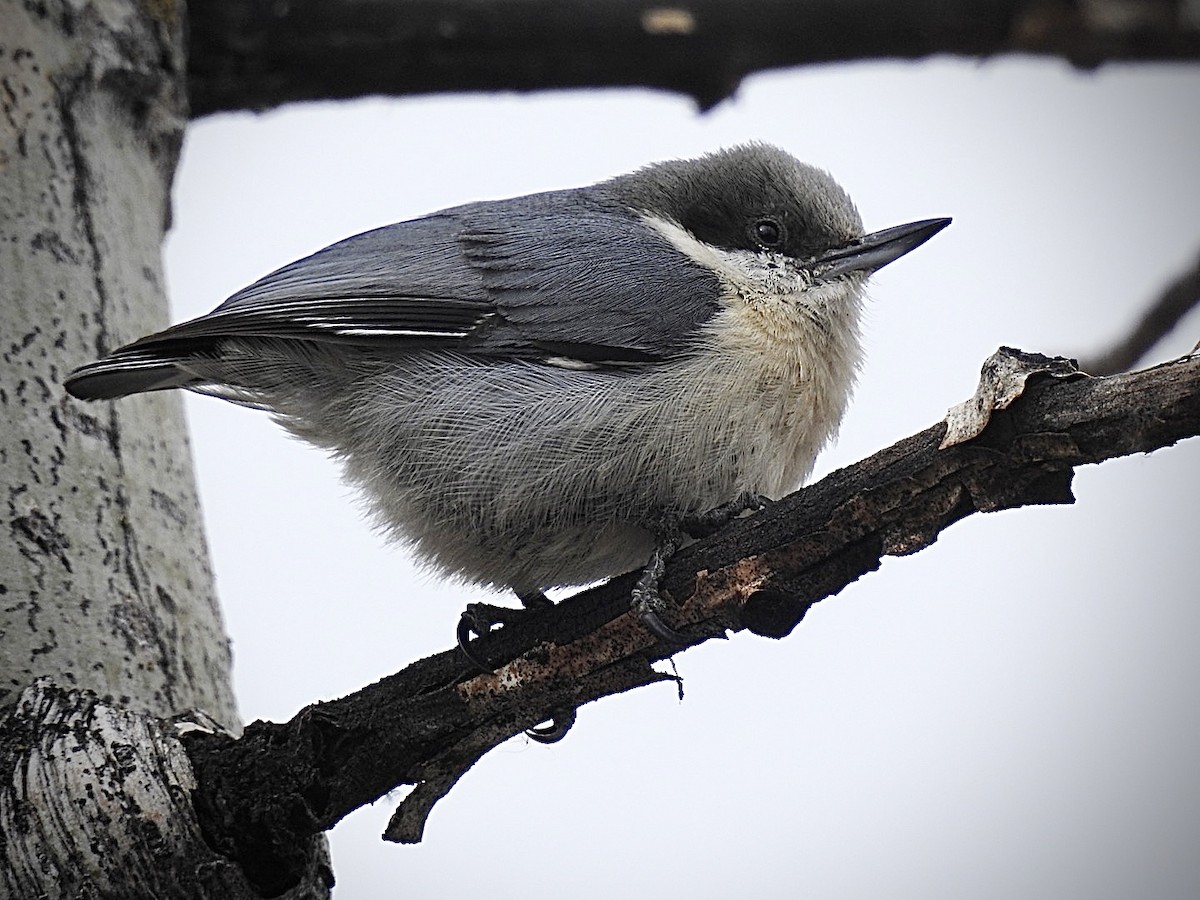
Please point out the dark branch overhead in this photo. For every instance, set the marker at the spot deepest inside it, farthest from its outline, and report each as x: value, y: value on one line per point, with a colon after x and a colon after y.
x: 257, y: 54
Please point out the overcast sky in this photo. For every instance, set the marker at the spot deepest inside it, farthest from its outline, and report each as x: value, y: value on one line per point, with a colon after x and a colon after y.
x: 1010, y: 713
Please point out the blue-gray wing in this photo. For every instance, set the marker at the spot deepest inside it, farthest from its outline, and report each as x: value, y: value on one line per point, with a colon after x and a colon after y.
x: 573, y: 275
x: 406, y: 281
x: 566, y: 274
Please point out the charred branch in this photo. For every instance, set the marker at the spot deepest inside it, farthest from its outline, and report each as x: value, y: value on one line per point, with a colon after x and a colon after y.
x: 1016, y: 443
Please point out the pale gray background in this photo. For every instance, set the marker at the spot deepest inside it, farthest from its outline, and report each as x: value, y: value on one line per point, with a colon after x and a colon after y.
x: 1011, y: 713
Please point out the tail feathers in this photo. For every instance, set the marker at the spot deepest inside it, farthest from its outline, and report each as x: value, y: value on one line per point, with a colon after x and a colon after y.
x: 128, y: 372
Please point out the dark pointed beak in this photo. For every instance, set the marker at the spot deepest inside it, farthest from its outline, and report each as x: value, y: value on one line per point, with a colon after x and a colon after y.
x: 874, y: 251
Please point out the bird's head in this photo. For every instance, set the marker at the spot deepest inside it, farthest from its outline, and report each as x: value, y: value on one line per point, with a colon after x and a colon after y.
x: 774, y: 229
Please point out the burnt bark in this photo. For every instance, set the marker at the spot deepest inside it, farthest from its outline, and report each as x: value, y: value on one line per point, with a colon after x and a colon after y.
x: 1016, y: 443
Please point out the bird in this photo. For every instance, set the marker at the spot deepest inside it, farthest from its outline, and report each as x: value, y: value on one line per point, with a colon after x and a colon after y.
x: 529, y: 391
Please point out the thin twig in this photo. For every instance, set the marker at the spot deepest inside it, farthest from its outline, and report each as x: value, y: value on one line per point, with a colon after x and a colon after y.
x: 1175, y: 302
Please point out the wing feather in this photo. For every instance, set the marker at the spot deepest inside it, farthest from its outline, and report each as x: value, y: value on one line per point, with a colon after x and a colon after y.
x: 571, y: 275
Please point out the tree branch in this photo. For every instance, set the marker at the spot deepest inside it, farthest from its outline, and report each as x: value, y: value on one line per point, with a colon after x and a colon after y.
x: 262, y: 53
x: 1015, y: 443
x: 1179, y: 298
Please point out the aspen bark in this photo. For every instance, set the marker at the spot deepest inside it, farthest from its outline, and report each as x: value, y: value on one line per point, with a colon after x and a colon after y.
x: 105, y: 588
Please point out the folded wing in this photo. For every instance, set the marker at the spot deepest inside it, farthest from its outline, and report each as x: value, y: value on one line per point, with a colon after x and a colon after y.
x: 563, y: 274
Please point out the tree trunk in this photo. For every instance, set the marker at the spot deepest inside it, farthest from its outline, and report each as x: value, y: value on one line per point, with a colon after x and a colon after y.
x: 98, y: 803
x: 106, y: 581
x: 104, y: 577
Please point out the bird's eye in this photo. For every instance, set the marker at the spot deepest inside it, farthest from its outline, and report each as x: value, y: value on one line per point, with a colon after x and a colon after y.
x: 767, y: 233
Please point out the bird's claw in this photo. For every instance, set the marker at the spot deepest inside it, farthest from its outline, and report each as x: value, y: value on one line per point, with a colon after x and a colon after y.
x: 660, y: 629
x: 468, y: 626
x: 646, y: 603
x: 480, y: 618
x: 476, y: 621
x: 718, y: 517
x: 560, y: 724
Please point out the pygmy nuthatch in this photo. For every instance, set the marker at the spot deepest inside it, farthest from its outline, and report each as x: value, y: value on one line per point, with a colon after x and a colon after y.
x: 527, y: 389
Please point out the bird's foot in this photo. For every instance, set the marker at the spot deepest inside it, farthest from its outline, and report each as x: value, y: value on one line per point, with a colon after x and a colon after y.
x: 480, y: 618
x: 646, y: 602
x: 476, y: 621
x: 718, y: 517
